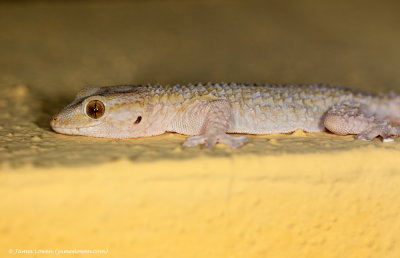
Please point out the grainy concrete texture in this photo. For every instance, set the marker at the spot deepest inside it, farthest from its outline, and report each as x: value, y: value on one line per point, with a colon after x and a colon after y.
x: 298, y: 195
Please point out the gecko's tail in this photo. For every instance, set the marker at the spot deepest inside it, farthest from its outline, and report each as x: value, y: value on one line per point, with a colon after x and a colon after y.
x: 391, y: 108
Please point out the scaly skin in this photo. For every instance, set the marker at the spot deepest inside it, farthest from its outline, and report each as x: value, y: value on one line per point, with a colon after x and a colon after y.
x: 210, y: 111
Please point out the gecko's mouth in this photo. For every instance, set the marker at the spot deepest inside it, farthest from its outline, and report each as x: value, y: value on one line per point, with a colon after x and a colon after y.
x: 65, y: 130
x: 55, y: 125
x: 55, y: 128
x: 68, y: 130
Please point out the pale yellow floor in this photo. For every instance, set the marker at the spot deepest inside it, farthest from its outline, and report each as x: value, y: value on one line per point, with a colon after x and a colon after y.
x: 299, y: 195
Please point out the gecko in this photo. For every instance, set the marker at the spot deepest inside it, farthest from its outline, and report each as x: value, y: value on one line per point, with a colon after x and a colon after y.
x: 209, y: 113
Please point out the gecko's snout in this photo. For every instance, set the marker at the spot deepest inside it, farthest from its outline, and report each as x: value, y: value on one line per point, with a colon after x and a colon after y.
x: 53, y: 120
x: 57, y: 124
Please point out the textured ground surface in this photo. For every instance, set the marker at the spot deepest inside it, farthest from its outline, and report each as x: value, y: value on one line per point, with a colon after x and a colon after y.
x: 299, y: 195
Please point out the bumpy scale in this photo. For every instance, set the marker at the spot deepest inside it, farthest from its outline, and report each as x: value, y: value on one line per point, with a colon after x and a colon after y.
x: 208, y: 112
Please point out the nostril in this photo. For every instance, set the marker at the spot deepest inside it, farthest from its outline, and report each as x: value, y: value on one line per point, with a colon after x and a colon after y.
x: 53, y: 120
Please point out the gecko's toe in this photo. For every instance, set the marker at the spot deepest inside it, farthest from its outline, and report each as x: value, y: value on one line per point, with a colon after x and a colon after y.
x: 364, y: 137
x: 389, y: 139
x: 194, y: 141
x: 234, y: 142
x: 209, y: 141
x: 384, y: 131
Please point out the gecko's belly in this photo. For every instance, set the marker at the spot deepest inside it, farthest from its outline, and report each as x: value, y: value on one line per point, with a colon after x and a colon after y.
x: 267, y: 123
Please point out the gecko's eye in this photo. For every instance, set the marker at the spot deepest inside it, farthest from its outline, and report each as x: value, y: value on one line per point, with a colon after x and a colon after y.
x: 95, y: 109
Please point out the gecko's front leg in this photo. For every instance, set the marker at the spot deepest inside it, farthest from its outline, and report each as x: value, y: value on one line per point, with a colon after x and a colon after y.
x: 217, y: 114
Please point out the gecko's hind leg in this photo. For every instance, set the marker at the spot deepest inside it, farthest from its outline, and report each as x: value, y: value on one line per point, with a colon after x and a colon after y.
x: 352, y: 118
x: 215, y: 127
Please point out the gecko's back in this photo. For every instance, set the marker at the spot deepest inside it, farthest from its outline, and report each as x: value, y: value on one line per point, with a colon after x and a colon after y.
x: 262, y: 108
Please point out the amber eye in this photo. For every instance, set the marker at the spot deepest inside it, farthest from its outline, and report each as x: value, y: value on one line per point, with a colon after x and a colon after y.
x: 95, y: 109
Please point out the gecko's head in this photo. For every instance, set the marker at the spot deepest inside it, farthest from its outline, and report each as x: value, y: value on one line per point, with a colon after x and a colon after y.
x: 103, y: 112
